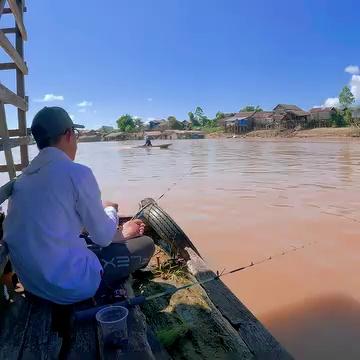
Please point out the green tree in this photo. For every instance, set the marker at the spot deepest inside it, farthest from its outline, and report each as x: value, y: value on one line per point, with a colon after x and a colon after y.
x: 138, y: 123
x: 174, y: 124
x: 219, y: 115
x: 249, y: 108
x: 346, y: 97
x: 126, y: 123
x: 338, y: 119
x: 192, y: 119
x: 348, y: 117
x: 200, y: 117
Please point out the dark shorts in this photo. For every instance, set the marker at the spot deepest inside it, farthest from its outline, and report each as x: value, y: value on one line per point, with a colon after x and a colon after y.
x: 119, y: 260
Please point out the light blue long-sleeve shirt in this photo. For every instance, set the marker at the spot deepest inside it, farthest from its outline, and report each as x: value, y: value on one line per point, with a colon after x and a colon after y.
x: 51, y: 202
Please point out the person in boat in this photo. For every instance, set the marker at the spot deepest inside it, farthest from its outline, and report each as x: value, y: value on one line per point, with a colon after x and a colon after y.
x: 147, y: 141
x: 52, y: 201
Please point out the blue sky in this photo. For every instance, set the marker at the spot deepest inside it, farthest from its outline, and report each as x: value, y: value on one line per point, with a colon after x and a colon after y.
x: 155, y: 58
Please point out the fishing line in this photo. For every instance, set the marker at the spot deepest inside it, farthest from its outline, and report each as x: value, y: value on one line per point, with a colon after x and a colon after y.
x: 138, y: 300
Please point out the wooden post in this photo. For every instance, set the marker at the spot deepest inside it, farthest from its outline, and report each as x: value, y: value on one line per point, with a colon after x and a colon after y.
x: 5, y: 136
x: 2, y: 4
x: 20, y: 85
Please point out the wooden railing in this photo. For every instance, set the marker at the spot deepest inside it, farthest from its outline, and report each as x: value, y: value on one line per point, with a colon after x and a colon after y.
x: 16, y: 97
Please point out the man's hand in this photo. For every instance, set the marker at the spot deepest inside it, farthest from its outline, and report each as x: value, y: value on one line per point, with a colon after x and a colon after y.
x: 109, y: 203
x: 133, y: 228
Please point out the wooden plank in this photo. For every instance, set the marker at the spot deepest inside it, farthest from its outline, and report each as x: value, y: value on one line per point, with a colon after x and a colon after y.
x: 40, y: 341
x: 6, y: 190
x: 14, y: 319
x: 11, y: 51
x: 81, y: 342
x: 258, y: 339
x: 18, y: 14
x: 20, y: 89
x: 13, y: 142
x: 2, y: 4
x: 8, y: 11
x: 9, y: 30
x: 17, y: 132
x: 4, y: 168
x: 138, y: 346
x: 7, y: 149
x: 8, y: 66
x: 8, y: 97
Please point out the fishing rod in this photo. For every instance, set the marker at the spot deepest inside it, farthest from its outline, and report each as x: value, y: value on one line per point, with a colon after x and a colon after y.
x: 164, y: 193
x: 141, y: 299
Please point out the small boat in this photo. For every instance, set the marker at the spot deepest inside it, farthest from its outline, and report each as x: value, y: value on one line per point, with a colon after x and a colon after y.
x: 197, y: 322
x: 161, y: 146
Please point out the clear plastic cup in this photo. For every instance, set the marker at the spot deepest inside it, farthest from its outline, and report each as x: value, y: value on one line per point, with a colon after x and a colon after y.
x: 113, y: 325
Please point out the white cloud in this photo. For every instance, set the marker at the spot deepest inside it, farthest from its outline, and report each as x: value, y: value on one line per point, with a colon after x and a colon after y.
x: 331, y: 102
x: 149, y: 99
x: 150, y: 118
x: 85, y: 103
x: 355, y: 86
x: 50, y: 97
x: 352, y: 69
x: 82, y: 110
x: 72, y: 116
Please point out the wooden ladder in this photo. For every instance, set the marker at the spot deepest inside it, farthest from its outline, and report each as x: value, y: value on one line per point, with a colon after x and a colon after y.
x: 14, y: 48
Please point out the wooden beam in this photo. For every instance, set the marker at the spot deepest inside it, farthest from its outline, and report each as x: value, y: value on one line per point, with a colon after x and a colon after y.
x: 8, y: 97
x: 2, y: 4
x: 5, y: 137
x: 4, y: 168
x: 258, y: 339
x: 10, y: 50
x: 20, y: 89
x: 8, y: 66
x: 18, y: 14
x: 6, y: 190
x: 8, y: 11
x: 17, y: 132
x: 11, y: 143
x: 9, y: 30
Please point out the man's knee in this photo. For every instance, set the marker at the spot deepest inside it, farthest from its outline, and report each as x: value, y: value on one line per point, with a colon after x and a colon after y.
x: 141, y: 250
x: 147, y: 249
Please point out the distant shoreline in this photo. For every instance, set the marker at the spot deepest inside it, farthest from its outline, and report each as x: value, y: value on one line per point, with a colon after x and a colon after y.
x: 317, y: 133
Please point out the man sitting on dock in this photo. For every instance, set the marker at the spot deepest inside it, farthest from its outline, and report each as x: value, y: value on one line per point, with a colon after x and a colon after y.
x: 52, y: 201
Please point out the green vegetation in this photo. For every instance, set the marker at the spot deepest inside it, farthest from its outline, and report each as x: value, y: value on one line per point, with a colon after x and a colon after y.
x: 249, y: 108
x: 174, y: 124
x: 346, y: 97
x: 126, y: 123
x: 171, y: 269
x: 170, y: 335
x: 338, y: 119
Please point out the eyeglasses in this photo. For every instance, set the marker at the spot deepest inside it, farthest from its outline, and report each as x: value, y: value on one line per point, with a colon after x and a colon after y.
x: 76, y: 132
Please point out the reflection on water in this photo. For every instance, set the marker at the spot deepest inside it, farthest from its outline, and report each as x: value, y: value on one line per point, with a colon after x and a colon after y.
x: 245, y: 200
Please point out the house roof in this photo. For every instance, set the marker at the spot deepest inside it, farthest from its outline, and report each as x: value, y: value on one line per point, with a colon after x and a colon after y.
x: 319, y: 110
x: 263, y: 115
x: 289, y: 107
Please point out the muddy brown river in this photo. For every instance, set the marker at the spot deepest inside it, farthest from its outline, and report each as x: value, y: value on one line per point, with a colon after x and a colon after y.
x: 240, y: 201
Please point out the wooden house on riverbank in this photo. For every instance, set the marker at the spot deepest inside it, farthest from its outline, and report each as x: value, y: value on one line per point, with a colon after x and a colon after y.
x: 290, y: 116
x: 322, y: 117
